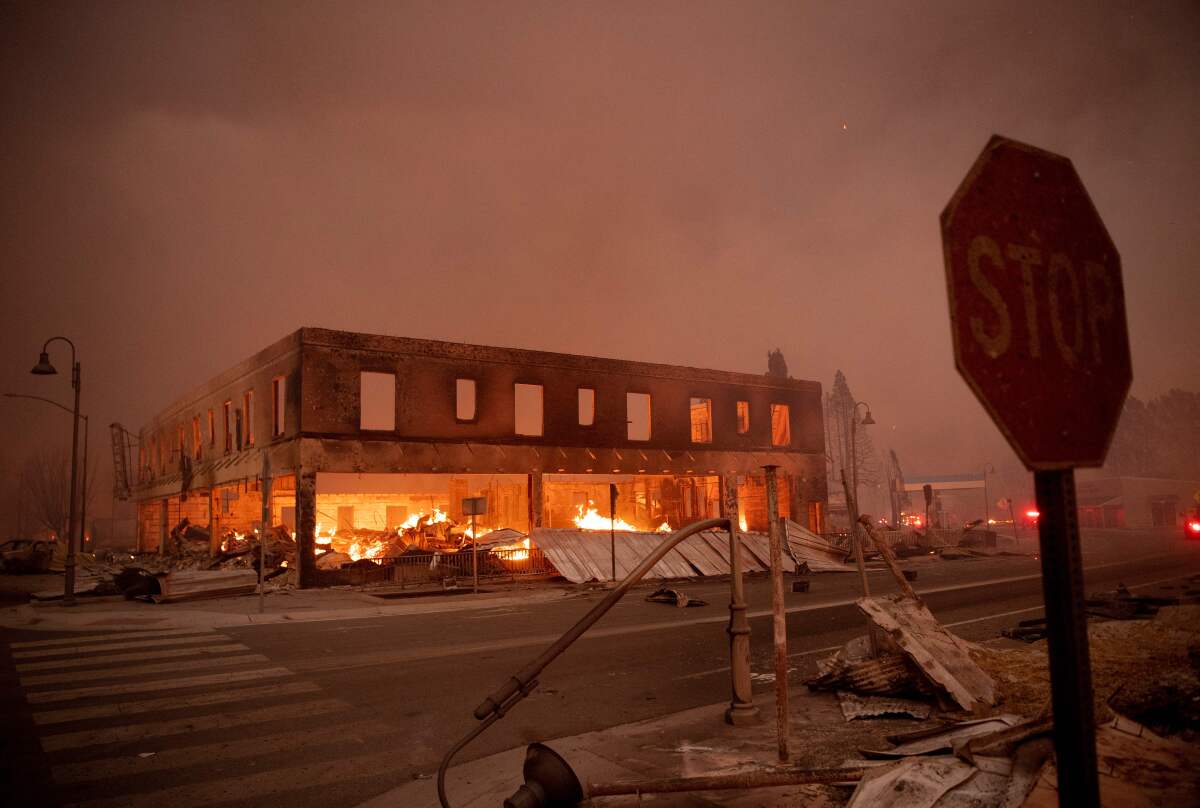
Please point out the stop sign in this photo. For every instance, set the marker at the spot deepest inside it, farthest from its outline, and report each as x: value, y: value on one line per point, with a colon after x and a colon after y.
x: 1037, y: 310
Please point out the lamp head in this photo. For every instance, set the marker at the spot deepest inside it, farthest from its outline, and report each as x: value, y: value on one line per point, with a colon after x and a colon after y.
x: 43, y: 367
x: 867, y: 419
x: 549, y: 781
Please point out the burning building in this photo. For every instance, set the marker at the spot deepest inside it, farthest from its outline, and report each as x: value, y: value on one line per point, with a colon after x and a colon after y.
x: 373, y: 443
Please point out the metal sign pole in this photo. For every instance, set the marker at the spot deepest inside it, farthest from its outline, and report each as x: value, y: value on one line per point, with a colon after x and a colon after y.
x: 1066, y: 630
x: 474, y: 556
x: 262, y: 533
x: 612, y: 526
x: 778, y: 614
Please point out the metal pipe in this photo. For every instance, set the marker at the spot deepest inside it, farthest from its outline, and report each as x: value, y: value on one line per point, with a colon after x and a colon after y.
x: 741, y: 710
x: 766, y: 778
x: 522, y: 683
x: 778, y: 614
x: 83, y: 493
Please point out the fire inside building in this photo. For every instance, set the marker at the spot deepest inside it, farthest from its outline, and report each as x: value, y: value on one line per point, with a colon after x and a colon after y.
x: 374, y: 442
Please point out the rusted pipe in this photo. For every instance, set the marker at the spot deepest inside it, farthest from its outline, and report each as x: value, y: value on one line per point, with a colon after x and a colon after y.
x: 525, y: 680
x: 765, y: 778
x: 741, y: 710
x: 778, y: 615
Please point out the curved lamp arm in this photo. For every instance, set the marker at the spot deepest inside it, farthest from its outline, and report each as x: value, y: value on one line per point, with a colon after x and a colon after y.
x: 522, y: 683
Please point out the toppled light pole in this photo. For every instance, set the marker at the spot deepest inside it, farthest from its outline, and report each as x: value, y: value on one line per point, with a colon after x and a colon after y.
x: 778, y: 615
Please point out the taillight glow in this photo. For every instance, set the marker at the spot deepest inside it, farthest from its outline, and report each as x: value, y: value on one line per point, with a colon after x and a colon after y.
x: 1194, y: 526
x: 1032, y: 514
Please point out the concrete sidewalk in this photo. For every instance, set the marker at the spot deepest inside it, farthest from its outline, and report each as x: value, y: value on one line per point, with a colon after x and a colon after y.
x: 687, y: 744
x: 280, y: 606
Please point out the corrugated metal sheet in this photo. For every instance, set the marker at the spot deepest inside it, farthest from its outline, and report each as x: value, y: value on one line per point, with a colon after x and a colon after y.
x: 582, y: 555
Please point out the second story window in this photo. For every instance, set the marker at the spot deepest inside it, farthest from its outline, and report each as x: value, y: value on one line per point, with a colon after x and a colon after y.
x: 278, y: 396
x: 377, y: 401
x: 743, y: 417
x: 197, y: 442
x: 781, y: 425
x: 527, y: 409
x: 637, y: 416
x: 587, y: 406
x: 700, y: 410
x: 248, y: 408
x: 464, y: 399
x: 227, y: 417
x: 212, y: 428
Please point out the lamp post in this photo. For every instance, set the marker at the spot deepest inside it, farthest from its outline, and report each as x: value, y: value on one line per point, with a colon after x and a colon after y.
x: 986, y: 468
x: 867, y: 421
x: 44, y: 368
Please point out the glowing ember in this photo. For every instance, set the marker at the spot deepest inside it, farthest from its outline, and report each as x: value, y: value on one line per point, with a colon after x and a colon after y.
x: 742, y: 522
x: 664, y: 528
x: 592, y: 520
x: 415, y: 519
x: 517, y: 552
x: 373, y: 551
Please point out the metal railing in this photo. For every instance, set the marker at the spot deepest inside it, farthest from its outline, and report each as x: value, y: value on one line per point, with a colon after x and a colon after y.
x: 492, y: 564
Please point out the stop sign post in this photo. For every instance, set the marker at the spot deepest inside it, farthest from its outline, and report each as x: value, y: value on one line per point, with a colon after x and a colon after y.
x: 1037, y: 316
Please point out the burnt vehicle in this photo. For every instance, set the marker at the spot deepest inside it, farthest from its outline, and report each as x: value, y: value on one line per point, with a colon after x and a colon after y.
x: 26, y: 556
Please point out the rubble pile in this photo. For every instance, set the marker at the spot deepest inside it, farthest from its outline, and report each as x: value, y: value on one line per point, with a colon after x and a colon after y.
x: 992, y: 745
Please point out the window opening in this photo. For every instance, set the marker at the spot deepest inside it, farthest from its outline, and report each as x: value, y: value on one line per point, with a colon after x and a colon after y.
x: 527, y: 400
x: 377, y: 401
x: 637, y: 416
x: 587, y: 406
x: 464, y: 399
x: 781, y: 425
x: 700, y: 410
x: 743, y: 417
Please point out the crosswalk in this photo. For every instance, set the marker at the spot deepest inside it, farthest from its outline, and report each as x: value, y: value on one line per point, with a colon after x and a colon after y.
x: 187, y: 717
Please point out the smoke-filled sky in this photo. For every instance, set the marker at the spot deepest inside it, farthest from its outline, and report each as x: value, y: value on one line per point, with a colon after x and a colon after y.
x: 691, y: 183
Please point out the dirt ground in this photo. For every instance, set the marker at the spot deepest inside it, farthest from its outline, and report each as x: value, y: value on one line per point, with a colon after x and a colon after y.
x: 1147, y: 670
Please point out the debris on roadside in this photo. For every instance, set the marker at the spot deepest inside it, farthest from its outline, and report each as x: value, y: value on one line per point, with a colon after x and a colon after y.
x: 942, y: 657
x: 181, y: 585
x: 855, y: 706
x: 852, y: 668
x: 673, y: 597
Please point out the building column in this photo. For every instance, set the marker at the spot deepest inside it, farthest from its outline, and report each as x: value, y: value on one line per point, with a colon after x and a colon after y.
x: 536, y: 506
x: 306, y: 525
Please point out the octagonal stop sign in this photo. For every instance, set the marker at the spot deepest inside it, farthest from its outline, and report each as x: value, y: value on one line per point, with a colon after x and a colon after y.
x: 1037, y: 309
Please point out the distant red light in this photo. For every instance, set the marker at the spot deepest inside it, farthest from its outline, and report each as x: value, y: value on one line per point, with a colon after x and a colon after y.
x: 1194, y: 527
x: 1032, y: 514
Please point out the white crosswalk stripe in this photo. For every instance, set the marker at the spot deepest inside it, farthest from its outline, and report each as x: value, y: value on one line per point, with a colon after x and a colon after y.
x: 112, y: 708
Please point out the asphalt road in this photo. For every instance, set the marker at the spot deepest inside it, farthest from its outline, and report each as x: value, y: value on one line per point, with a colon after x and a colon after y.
x: 332, y: 713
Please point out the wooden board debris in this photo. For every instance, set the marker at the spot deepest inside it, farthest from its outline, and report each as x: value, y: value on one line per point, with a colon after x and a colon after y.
x: 941, y: 656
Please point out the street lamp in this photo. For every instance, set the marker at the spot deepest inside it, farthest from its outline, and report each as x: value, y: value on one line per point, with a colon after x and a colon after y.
x: 44, y: 368
x: 867, y: 421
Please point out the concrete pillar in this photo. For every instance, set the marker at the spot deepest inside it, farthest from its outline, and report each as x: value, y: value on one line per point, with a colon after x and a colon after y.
x: 536, y: 506
x: 306, y: 525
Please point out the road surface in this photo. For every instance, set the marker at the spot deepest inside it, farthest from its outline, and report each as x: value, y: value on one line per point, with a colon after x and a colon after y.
x: 332, y: 713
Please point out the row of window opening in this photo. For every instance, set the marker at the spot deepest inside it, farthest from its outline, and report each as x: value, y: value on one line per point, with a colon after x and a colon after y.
x: 238, y: 431
x: 378, y: 411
